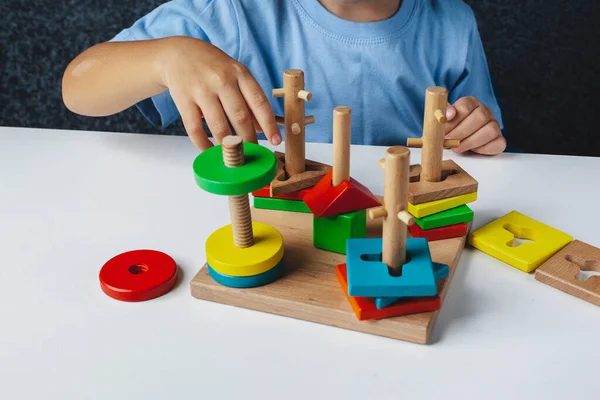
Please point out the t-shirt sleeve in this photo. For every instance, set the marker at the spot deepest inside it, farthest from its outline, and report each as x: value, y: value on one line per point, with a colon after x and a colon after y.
x: 213, y: 21
x: 475, y: 79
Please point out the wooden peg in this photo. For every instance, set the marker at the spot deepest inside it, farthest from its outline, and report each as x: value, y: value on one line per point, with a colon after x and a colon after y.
x: 304, y: 95
x: 393, y: 211
x: 280, y: 120
x: 381, y: 163
x: 294, y: 121
x: 418, y: 142
x: 279, y: 92
x: 239, y: 206
x: 342, y: 121
x: 310, y: 119
x: 436, y: 99
x: 440, y: 116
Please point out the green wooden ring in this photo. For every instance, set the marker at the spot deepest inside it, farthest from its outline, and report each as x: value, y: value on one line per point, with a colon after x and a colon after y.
x: 213, y: 176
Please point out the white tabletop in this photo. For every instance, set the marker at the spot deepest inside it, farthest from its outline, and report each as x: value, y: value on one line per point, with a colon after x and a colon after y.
x: 69, y: 201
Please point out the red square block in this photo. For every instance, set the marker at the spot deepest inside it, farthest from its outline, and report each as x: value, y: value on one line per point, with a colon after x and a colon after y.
x: 325, y: 200
x: 266, y: 192
x: 444, y: 232
x: 365, y: 308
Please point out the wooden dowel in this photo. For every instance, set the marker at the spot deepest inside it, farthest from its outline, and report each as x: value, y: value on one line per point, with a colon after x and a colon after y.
x: 279, y: 92
x: 395, y: 194
x: 418, y: 142
x: 342, y: 121
x: 296, y: 128
x: 304, y: 95
x: 436, y: 98
x: 378, y: 212
x: 440, y: 116
x: 295, y: 156
x: 279, y: 120
x: 309, y: 119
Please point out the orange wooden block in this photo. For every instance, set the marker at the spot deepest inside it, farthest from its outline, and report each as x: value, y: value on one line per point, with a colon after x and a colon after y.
x: 325, y: 200
x: 561, y: 271
x: 366, y: 309
x: 455, y: 182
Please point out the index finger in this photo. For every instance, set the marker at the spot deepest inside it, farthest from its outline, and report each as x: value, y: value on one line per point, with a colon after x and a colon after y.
x: 260, y: 107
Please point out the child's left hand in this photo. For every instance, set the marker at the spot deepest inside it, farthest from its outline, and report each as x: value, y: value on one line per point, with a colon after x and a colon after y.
x: 474, y: 124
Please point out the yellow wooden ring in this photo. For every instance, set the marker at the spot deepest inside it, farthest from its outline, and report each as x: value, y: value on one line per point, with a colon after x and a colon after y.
x: 224, y: 257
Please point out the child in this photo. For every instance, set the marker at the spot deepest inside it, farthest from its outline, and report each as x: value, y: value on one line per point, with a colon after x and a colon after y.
x: 211, y: 60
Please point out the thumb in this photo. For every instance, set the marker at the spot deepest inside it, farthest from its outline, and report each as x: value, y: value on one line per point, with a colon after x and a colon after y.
x: 450, y: 112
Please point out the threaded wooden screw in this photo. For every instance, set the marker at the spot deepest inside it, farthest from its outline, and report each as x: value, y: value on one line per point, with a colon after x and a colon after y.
x: 239, y: 206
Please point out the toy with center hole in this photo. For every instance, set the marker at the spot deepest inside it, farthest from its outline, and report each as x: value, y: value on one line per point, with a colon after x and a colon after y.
x: 244, y: 248
x: 271, y: 203
x: 245, y: 282
x: 497, y: 239
x: 452, y: 216
x: 138, y: 275
x: 444, y: 232
x: 440, y: 271
x: 432, y: 207
x: 392, y: 266
x: 365, y: 308
x: 337, y: 193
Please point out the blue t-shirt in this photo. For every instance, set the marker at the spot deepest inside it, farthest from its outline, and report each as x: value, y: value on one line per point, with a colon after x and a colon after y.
x: 379, y: 69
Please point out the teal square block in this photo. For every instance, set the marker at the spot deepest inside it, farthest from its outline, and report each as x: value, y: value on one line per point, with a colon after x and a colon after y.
x: 368, y: 276
x: 331, y: 233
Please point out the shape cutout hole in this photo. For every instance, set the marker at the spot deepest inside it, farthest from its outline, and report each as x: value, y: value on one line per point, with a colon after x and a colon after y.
x: 379, y: 257
x: 521, y: 235
x: 587, y: 268
x: 416, y: 177
x: 137, y: 269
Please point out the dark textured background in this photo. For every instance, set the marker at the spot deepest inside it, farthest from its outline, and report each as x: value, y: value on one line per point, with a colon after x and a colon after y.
x: 543, y: 58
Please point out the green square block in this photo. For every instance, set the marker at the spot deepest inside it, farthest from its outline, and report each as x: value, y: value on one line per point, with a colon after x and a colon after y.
x: 331, y: 233
x: 452, y: 216
x: 281, y: 204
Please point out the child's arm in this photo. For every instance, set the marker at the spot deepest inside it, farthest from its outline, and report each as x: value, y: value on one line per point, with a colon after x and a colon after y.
x: 202, y: 80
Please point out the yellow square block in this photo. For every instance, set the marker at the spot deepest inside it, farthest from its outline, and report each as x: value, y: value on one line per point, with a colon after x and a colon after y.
x: 433, y: 207
x: 496, y: 239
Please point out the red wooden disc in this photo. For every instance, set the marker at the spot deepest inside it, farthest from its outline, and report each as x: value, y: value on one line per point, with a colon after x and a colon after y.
x: 138, y: 275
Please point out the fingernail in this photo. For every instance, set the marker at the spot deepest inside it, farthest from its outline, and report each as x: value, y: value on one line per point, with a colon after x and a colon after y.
x: 450, y: 111
x: 276, y: 139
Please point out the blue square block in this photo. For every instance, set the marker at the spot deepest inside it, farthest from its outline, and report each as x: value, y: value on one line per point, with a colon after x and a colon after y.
x: 368, y: 276
x: 440, y: 271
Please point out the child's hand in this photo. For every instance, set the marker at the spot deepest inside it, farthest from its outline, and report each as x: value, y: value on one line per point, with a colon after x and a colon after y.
x: 204, y: 82
x: 474, y: 124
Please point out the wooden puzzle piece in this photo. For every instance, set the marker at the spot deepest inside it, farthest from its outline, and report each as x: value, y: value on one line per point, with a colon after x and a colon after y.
x: 432, y: 207
x: 245, y: 282
x: 138, y: 275
x: 562, y: 270
x: 444, y: 232
x: 228, y: 259
x: 365, y: 308
x: 266, y: 192
x: 256, y: 169
x: 271, y: 203
x: 325, y: 199
x: 282, y: 184
x: 331, y: 233
x: 455, y: 181
x: 369, y: 276
x: 440, y: 271
x: 497, y: 238
x: 452, y: 216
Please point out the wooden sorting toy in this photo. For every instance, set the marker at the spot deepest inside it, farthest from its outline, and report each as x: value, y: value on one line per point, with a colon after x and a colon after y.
x: 295, y: 172
x: 441, y: 233
x: 497, y: 238
x: 452, y: 216
x: 309, y: 289
x: 244, y: 248
x: 433, y: 207
x: 366, y: 309
x: 138, y: 275
x: 435, y: 179
x: 562, y: 270
x: 337, y: 193
x: 244, y: 282
x: 440, y: 271
x: 392, y: 266
x: 331, y: 233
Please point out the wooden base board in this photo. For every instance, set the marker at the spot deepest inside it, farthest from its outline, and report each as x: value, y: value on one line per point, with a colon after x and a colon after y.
x: 309, y: 289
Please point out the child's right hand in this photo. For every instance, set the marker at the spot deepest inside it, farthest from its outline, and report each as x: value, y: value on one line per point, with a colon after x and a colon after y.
x: 204, y: 82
